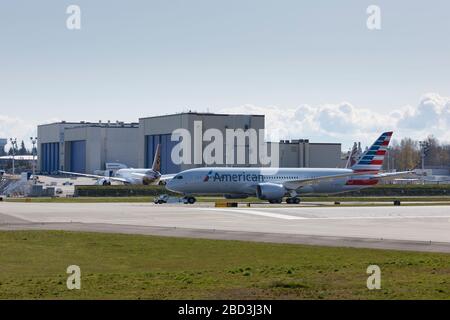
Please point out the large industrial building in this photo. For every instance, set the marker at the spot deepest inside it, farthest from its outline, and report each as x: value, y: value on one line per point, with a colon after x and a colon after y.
x: 301, y: 153
x: 154, y: 130
x: 87, y: 147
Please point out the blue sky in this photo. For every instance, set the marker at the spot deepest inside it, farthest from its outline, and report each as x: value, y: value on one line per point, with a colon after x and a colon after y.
x: 139, y: 58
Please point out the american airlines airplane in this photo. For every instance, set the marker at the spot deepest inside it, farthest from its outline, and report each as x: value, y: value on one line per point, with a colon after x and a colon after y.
x: 132, y: 176
x: 272, y: 184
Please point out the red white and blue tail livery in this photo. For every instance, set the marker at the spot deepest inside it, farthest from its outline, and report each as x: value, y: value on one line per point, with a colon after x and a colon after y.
x: 372, y: 160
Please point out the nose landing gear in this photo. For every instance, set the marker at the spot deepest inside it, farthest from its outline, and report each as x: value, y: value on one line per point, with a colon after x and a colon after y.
x: 293, y: 200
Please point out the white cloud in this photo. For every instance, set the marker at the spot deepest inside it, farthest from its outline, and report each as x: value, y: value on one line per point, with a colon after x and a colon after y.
x: 344, y: 122
x: 432, y: 114
x: 341, y: 122
x: 16, y: 128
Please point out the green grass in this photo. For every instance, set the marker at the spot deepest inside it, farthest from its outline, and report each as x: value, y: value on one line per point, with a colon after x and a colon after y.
x: 81, y: 199
x: 33, y: 265
x: 251, y: 199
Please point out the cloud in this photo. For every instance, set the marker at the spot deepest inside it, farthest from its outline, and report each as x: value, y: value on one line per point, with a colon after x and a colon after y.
x: 344, y: 122
x: 339, y: 122
x: 13, y: 127
x: 432, y: 113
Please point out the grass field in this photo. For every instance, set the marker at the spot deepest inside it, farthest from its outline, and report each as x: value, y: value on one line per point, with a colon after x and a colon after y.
x: 142, y: 199
x: 33, y: 266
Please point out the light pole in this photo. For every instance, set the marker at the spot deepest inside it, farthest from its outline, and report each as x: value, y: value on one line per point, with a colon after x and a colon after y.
x: 424, y: 146
x: 34, y: 141
x: 14, y: 146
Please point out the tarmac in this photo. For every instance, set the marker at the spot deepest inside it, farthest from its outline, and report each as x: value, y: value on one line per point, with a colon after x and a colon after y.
x: 416, y: 228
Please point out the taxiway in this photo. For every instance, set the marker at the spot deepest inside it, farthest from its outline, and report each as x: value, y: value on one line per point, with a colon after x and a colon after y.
x: 420, y: 228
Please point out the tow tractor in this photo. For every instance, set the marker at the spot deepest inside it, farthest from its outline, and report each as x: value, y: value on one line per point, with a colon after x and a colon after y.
x: 164, y: 198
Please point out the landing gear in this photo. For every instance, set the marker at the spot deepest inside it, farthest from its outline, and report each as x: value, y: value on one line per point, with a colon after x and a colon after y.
x: 293, y: 200
x: 191, y: 200
x: 106, y: 183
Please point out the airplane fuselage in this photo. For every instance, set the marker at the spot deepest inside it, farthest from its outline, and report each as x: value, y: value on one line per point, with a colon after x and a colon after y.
x: 226, y: 180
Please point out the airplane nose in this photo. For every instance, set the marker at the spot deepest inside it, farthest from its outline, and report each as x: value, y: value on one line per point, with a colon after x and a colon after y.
x: 171, y: 186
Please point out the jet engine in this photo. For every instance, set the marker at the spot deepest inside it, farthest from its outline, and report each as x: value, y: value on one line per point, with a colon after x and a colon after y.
x: 150, y: 177
x: 104, y: 182
x: 270, y: 191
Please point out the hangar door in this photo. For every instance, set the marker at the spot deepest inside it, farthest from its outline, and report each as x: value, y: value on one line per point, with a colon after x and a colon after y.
x: 167, y: 165
x: 78, y: 156
x: 49, y: 157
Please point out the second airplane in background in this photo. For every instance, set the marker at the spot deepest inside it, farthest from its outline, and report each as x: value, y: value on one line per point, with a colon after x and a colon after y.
x: 132, y: 176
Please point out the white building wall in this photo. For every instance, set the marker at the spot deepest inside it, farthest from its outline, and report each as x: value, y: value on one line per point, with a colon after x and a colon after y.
x: 121, y: 145
x: 325, y: 155
x: 302, y: 153
x: 105, y: 144
x: 167, y: 124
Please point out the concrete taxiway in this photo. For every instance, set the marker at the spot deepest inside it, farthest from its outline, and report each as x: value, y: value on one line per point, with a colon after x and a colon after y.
x: 420, y: 228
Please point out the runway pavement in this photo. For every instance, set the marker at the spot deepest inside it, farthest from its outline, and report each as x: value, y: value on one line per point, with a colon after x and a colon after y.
x: 421, y: 228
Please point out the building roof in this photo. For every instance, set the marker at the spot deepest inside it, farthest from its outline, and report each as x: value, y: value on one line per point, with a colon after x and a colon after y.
x: 297, y: 141
x: 110, y: 124
x: 203, y: 114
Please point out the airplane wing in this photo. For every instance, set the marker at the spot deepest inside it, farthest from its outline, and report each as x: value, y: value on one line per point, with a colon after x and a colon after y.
x: 94, y: 176
x: 295, y: 184
x: 390, y: 175
x: 166, y: 177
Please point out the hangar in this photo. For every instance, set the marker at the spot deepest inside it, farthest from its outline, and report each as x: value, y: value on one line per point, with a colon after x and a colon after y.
x: 301, y: 153
x: 154, y: 130
x: 86, y: 147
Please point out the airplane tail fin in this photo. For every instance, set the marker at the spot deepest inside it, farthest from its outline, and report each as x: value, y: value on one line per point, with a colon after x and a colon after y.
x: 372, y: 159
x: 353, y: 156
x: 157, y: 160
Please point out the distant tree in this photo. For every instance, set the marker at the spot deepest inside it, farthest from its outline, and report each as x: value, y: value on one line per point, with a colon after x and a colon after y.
x: 438, y: 154
x: 409, y: 154
x: 402, y: 156
x: 23, y: 150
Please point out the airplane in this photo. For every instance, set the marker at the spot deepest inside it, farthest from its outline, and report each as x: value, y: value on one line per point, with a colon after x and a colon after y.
x: 353, y: 156
x: 272, y: 184
x: 131, y: 176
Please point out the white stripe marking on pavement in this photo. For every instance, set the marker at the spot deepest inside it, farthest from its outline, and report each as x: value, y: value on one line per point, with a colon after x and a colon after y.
x: 258, y: 213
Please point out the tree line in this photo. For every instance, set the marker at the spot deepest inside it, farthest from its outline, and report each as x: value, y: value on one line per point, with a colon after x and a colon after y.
x: 406, y: 154
x: 22, y: 151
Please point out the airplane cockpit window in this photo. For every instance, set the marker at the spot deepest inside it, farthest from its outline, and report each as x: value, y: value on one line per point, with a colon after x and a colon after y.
x: 179, y: 177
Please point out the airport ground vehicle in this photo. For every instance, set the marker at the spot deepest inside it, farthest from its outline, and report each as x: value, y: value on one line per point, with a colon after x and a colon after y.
x: 164, y: 198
